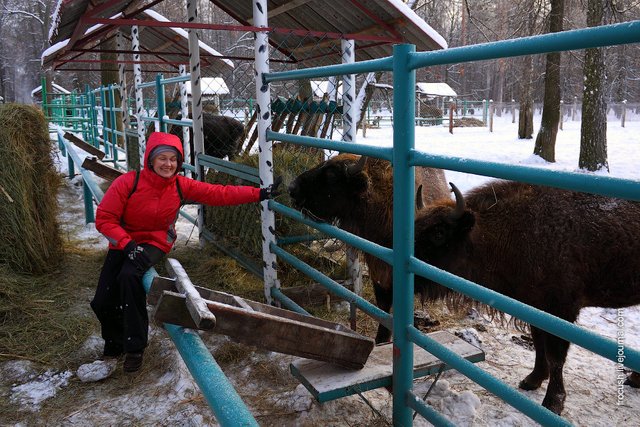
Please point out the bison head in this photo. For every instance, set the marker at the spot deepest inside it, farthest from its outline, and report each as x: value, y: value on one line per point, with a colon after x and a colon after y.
x: 331, y: 190
x: 442, y: 227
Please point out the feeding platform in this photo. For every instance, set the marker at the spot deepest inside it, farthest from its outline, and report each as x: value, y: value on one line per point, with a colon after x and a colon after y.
x: 327, y: 382
x: 179, y: 302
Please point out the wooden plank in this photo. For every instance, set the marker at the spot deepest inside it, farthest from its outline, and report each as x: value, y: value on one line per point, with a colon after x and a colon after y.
x: 100, y: 169
x: 160, y: 284
x: 328, y: 382
x: 312, y: 295
x: 196, y: 305
x: 273, y: 328
x: 84, y: 146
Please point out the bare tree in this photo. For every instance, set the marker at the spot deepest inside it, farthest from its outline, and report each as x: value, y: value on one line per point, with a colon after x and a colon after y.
x: 593, y: 137
x: 525, y: 115
x: 545, y: 146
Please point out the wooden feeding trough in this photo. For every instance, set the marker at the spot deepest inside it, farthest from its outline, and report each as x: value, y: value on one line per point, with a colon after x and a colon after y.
x: 327, y: 382
x: 181, y: 303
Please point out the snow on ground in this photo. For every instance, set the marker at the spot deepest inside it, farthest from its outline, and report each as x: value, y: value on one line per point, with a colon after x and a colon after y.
x: 169, y: 395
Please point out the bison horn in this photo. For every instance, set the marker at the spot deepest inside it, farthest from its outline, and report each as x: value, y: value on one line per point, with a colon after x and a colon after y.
x: 357, y: 168
x: 419, y: 200
x: 459, y: 202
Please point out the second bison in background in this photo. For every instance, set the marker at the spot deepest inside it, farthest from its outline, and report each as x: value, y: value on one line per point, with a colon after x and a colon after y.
x: 556, y: 250
x: 222, y: 135
x: 358, y: 192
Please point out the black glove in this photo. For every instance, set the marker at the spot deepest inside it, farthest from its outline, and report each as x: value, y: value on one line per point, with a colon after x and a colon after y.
x: 137, y: 256
x: 272, y: 190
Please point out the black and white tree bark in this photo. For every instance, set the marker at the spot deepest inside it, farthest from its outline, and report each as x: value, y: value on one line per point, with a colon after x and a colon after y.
x: 593, y: 136
x: 545, y: 146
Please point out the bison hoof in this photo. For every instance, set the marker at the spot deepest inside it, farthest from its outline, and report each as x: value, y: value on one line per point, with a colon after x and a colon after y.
x: 633, y: 380
x: 531, y: 382
x: 527, y: 386
x: 554, y: 403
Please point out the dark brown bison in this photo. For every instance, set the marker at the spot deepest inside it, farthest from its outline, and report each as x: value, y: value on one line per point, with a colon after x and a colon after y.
x: 358, y: 192
x: 222, y: 135
x: 553, y: 249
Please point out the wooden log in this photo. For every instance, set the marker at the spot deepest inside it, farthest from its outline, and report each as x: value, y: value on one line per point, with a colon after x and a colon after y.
x: 84, y: 146
x: 272, y: 328
x: 100, y: 169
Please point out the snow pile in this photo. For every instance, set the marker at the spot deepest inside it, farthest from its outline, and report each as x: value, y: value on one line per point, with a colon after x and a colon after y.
x: 31, y: 394
x: 96, y: 371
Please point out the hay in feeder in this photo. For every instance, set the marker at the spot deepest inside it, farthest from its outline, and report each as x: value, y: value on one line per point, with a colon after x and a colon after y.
x: 240, y: 225
x: 28, y: 186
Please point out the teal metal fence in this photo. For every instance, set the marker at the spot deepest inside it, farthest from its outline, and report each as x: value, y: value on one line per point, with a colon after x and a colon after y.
x: 404, y: 157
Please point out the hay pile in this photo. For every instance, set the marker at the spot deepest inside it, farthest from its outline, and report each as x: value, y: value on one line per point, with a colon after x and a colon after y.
x: 28, y: 186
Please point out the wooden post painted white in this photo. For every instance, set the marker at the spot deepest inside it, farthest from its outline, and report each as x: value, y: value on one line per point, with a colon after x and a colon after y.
x: 184, y: 111
x: 137, y: 81
x: 349, y: 122
x: 196, y: 101
x: 124, y: 101
x: 265, y: 153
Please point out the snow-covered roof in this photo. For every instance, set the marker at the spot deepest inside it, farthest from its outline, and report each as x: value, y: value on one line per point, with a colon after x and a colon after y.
x: 211, y: 86
x: 154, y: 41
x: 435, y: 89
x: 56, y: 89
x: 307, y: 32
x: 320, y: 87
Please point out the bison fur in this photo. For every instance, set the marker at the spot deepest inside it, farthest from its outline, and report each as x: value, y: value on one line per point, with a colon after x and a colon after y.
x: 222, y: 135
x: 357, y: 192
x: 556, y: 250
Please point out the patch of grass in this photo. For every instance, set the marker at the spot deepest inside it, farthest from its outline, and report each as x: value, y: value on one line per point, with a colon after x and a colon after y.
x: 46, y: 318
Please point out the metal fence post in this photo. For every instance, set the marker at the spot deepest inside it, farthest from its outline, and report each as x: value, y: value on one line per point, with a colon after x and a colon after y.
x: 404, y: 83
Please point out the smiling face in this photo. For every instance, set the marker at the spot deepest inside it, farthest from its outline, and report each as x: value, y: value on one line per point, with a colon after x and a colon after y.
x: 165, y: 164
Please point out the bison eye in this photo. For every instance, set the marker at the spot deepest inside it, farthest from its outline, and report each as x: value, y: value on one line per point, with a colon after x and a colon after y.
x: 438, y: 236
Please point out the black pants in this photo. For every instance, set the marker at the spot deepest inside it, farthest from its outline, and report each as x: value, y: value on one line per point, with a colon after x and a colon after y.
x: 120, y: 303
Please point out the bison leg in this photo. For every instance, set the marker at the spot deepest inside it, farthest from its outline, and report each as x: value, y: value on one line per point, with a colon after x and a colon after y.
x: 541, y: 367
x: 384, y: 299
x: 556, y: 349
x: 633, y: 380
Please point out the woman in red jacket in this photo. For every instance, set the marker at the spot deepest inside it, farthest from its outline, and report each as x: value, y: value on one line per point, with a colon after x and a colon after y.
x: 137, y: 215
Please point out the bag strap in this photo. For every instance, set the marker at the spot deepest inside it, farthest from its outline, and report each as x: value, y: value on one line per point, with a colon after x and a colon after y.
x: 135, y: 185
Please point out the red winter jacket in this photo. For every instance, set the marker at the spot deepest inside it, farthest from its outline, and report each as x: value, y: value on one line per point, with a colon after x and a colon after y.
x: 149, y: 215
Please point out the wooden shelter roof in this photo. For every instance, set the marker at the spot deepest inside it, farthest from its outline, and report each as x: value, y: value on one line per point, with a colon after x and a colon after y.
x: 308, y: 32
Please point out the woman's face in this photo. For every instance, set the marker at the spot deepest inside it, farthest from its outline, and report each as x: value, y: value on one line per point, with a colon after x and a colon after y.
x: 165, y: 164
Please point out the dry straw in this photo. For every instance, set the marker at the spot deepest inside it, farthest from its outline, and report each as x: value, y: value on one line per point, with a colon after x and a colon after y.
x: 28, y: 186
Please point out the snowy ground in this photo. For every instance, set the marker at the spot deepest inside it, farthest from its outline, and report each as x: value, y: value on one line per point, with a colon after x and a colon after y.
x: 164, y: 393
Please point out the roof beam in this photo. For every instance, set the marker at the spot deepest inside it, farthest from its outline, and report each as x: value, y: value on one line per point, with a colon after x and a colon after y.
x: 283, y: 9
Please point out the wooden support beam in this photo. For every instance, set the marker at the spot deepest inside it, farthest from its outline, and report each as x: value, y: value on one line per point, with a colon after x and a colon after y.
x: 84, y: 146
x: 100, y: 169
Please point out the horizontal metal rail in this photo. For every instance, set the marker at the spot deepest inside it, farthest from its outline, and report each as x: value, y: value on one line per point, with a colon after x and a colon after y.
x: 606, y: 35
x: 334, y: 287
x: 513, y: 397
x: 596, y: 184
x: 569, y: 331
x: 358, y: 242
x: 309, y: 141
x: 224, y: 401
x: 87, y: 175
